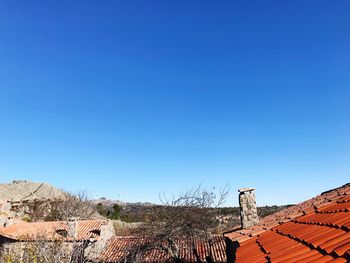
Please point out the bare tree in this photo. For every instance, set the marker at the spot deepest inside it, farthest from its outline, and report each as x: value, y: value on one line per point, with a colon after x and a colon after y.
x: 188, y: 216
x: 77, y: 206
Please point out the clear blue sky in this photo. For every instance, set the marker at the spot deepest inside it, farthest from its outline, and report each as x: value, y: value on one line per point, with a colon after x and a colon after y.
x: 150, y: 96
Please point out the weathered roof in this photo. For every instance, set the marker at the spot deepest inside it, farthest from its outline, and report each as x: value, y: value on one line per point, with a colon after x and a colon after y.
x: 322, y: 235
x: 118, y: 248
x: 82, y: 230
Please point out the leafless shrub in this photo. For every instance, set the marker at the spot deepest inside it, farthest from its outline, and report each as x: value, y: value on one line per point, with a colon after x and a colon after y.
x: 77, y: 206
x: 43, y: 251
x: 190, y: 215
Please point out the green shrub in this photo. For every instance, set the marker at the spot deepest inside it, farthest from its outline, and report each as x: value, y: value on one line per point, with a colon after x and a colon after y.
x: 26, y: 218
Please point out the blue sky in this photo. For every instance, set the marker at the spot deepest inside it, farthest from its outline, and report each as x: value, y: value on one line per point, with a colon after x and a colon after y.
x: 143, y: 97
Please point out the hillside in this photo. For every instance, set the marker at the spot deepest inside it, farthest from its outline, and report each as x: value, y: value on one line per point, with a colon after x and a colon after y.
x: 21, y: 190
x: 15, y: 196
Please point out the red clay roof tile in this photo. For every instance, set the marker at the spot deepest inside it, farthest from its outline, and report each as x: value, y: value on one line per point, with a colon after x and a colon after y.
x: 118, y: 248
x: 338, y: 260
x: 83, y: 230
x: 326, y: 201
x: 320, y: 236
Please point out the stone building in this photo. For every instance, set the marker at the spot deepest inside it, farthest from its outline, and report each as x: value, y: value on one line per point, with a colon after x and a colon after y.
x: 85, y: 238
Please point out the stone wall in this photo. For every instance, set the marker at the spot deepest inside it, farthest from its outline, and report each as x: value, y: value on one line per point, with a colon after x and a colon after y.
x: 35, y: 251
x: 93, y: 251
x: 248, y: 209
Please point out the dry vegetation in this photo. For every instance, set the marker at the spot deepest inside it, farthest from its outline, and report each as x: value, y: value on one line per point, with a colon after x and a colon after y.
x: 196, y: 213
x: 73, y: 206
x: 189, y: 215
x: 44, y: 251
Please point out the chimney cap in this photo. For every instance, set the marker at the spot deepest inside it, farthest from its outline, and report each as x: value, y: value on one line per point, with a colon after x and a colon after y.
x: 248, y: 189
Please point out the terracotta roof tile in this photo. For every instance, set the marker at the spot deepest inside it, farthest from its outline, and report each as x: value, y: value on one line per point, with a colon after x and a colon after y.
x: 340, y: 219
x: 118, y: 248
x: 89, y: 228
x: 325, y: 203
x: 250, y: 253
x: 83, y: 230
x: 337, y: 207
x: 338, y: 260
x: 321, y: 236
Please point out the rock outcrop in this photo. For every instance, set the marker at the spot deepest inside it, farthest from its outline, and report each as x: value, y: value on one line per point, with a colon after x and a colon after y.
x: 17, y: 195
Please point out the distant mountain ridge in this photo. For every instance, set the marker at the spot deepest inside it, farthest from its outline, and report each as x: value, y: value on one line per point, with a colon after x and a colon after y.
x: 109, y: 202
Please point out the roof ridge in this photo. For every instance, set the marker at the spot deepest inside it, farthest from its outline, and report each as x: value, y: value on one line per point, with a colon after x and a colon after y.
x: 335, y: 189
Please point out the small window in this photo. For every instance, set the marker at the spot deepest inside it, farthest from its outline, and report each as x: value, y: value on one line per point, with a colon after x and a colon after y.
x: 62, y: 232
x: 96, y: 231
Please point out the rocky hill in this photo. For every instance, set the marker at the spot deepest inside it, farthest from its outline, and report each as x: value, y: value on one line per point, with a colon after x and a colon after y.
x: 21, y: 190
x: 15, y: 195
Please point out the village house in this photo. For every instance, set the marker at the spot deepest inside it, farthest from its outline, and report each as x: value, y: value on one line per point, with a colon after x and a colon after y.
x: 88, y: 236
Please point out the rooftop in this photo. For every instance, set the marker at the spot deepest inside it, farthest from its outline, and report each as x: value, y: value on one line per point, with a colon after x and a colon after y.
x: 290, y: 213
x: 320, y: 234
x: 118, y: 248
x: 82, y: 230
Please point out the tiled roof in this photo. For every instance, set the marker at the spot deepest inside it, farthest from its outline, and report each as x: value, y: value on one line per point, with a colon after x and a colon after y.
x: 88, y: 229
x: 118, y: 248
x: 323, y: 235
x: 290, y: 213
x: 83, y: 230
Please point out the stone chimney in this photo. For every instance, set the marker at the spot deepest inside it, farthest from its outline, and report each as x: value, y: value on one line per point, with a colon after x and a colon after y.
x: 72, y: 228
x: 248, y: 210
